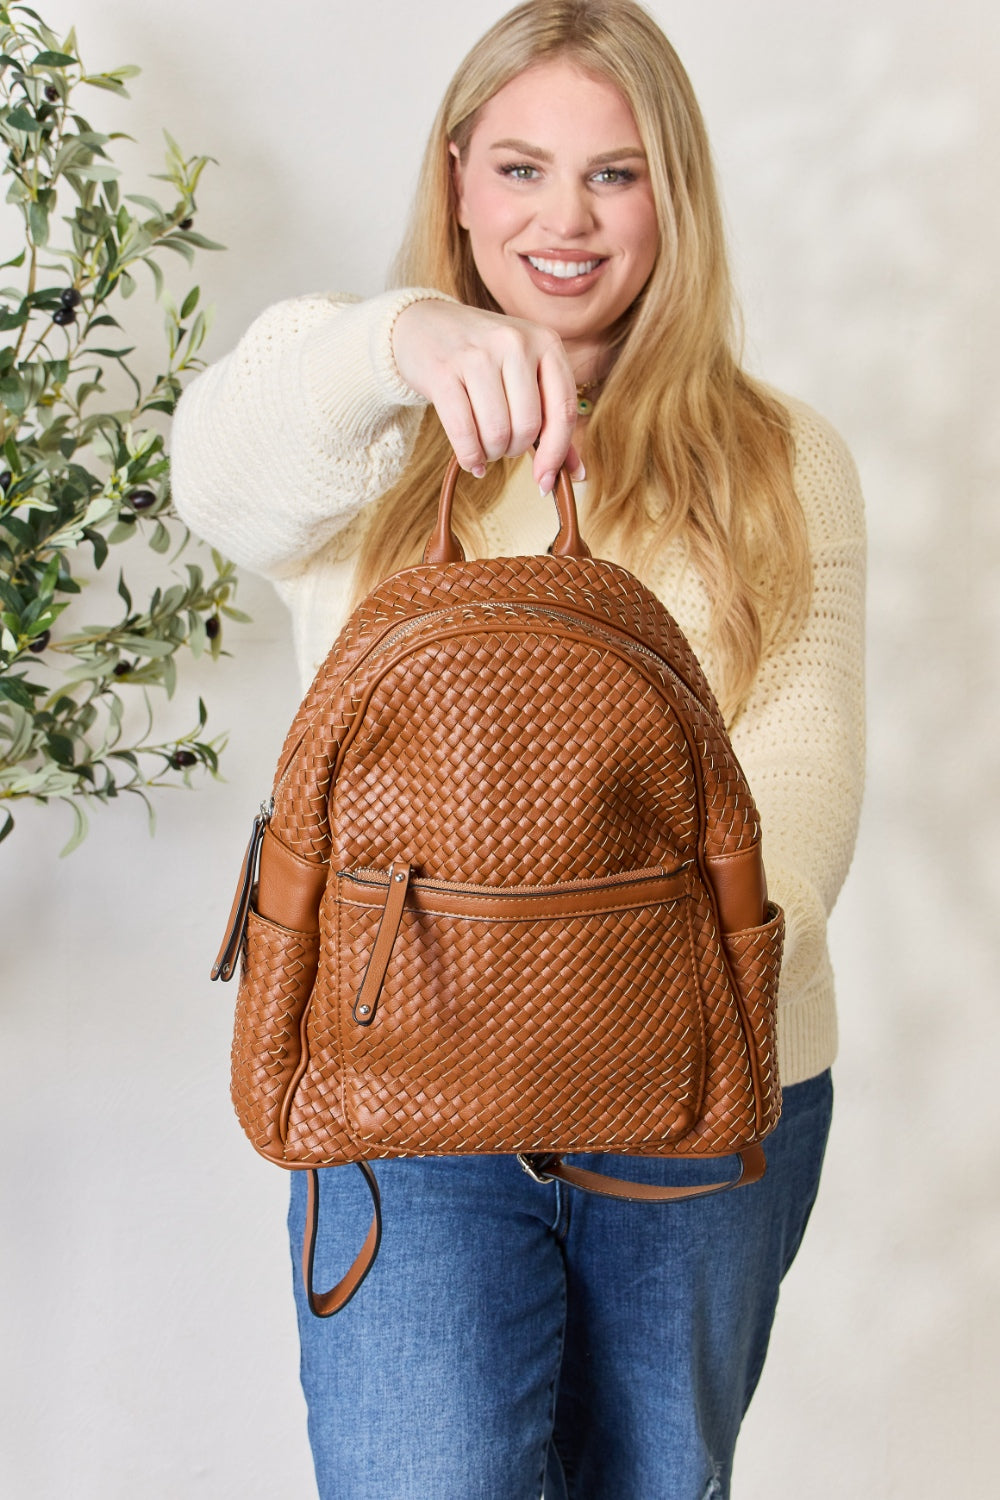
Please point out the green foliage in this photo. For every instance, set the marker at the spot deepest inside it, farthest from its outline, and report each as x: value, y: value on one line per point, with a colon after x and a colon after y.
x: 81, y: 478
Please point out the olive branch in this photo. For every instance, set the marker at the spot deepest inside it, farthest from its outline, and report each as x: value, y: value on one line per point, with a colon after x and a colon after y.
x: 81, y: 476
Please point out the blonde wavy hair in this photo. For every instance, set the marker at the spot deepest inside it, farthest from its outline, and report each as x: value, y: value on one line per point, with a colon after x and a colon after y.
x: 682, y: 443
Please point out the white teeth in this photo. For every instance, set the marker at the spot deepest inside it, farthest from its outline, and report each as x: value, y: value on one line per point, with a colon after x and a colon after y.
x: 564, y: 269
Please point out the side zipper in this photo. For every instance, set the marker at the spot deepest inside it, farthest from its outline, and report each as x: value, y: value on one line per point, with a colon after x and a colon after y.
x: 225, y: 964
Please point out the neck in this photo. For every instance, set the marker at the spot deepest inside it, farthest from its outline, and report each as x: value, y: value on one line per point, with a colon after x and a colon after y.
x: 589, y: 360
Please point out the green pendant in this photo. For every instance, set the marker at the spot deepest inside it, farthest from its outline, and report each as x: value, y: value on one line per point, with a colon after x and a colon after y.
x: 583, y: 406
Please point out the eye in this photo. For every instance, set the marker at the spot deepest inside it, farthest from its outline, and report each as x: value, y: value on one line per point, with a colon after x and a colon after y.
x: 614, y: 175
x: 519, y: 171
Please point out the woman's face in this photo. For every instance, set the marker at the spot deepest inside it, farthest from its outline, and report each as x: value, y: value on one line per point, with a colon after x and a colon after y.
x: 555, y: 194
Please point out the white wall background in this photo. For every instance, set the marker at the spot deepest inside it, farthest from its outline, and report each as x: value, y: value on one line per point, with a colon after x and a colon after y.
x: 147, y: 1325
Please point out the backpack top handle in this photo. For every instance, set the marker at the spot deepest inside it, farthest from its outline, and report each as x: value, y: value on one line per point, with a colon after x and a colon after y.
x: 444, y: 546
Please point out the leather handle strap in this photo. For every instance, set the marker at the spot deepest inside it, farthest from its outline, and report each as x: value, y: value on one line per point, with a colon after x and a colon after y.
x: 444, y: 547
x: 546, y: 1167
x: 325, y: 1304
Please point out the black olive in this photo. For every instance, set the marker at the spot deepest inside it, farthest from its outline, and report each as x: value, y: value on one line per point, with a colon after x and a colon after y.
x: 40, y: 642
x: 63, y: 315
x: 70, y: 297
x: 121, y: 668
x: 141, y: 499
x: 6, y: 480
x: 212, y: 626
x: 51, y: 93
x: 181, y: 759
x: 185, y: 224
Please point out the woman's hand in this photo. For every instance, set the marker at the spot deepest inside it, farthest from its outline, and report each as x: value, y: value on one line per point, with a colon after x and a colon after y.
x: 497, y: 384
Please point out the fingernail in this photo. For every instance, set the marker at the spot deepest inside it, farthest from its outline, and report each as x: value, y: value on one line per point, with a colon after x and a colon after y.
x: 579, y: 473
x: 478, y: 472
x: 545, y: 484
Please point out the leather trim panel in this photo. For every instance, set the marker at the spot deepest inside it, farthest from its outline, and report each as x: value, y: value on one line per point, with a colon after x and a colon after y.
x: 529, y: 903
x: 740, y: 888
x: 289, y: 888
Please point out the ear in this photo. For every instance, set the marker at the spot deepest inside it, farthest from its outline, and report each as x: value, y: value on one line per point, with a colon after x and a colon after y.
x: 457, y: 177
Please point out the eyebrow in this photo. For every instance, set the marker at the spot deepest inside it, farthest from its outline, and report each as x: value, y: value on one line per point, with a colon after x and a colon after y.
x: 511, y: 143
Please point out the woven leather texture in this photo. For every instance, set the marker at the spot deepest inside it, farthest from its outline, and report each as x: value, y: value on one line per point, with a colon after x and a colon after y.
x: 600, y: 592
x: 510, y: 723
x: 274, y: 992
x: 504, y: 1065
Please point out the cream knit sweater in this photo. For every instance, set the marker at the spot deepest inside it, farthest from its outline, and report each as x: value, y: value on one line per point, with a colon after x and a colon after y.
x: 280, y: 449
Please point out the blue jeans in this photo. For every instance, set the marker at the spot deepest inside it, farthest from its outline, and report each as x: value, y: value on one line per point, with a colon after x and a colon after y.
x: 513, y: 1333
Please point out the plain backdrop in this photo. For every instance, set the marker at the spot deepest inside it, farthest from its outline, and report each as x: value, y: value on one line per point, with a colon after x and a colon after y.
x: 147, y: 1336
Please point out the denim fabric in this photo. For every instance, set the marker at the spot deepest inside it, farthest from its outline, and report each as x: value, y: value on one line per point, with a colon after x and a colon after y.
x: 514, y: 1333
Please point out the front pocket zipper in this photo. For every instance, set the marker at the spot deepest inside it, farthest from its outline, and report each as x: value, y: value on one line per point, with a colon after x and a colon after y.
x: 518, y: 903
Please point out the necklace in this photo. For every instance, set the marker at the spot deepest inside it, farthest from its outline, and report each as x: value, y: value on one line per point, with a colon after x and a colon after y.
x: 585, y: 403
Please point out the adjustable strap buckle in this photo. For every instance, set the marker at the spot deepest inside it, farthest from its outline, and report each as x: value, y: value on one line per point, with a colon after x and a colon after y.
x: 536, y: 1163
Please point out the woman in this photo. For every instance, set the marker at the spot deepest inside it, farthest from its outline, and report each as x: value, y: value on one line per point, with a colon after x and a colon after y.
x: 564, y: 280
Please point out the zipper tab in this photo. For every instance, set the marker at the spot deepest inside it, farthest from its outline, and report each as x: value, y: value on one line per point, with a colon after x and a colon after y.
x: 225, y: 964
x: 366, y: 1003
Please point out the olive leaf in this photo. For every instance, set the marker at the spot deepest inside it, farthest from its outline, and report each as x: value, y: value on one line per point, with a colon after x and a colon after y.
x: 81, y: 476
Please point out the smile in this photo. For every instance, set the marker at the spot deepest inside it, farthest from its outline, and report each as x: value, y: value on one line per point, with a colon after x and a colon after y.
x: 563, y: 269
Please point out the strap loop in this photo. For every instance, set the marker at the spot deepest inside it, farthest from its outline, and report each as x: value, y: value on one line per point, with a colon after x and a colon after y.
x: 324, y: 1304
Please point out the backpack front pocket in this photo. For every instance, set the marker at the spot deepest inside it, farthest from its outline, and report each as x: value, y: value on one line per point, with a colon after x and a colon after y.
x: 519, y: 1018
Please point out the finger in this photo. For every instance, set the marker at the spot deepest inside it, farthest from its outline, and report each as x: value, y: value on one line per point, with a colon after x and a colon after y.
x: 574, y: 464
x: 524, y: 402
x: 487, y: 397
x: 454, y: 409
x: 559, y: 413
x: 577, y: 471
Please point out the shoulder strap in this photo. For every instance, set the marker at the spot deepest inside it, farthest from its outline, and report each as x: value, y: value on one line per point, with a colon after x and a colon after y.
x: 546, y: 1168
x: 543, y: 1168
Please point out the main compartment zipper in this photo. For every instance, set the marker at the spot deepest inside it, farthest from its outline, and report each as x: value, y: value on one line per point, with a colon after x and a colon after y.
x: 603, y: 631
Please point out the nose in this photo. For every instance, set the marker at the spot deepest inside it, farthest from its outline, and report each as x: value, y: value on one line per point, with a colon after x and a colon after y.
x: 566, y: 211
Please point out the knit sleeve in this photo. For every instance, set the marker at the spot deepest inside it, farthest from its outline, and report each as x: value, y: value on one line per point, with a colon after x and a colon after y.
x: 800, y: 737
x: 280, y: 444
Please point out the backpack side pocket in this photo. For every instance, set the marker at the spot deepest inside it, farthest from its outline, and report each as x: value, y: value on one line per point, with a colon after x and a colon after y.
x: 755, y: 960
x: 279, y: 969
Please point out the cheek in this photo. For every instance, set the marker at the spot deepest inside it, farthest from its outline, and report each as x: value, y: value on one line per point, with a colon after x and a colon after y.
x: 487, y: 212
x: 642, y: 232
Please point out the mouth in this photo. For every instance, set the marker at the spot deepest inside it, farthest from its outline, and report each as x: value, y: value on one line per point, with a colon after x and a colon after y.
x: 559, y: 276
x: 563, y: 270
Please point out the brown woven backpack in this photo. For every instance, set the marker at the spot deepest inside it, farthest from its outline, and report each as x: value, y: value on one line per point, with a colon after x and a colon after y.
x: 508, y: 894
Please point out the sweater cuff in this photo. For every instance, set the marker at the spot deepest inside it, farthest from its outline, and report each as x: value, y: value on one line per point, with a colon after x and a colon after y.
x: 383, y: 360
x: 348, y: 366
x: 807, y: 1033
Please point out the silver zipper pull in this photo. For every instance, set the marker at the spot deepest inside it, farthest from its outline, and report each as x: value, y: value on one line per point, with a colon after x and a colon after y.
x: 225, y: 964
